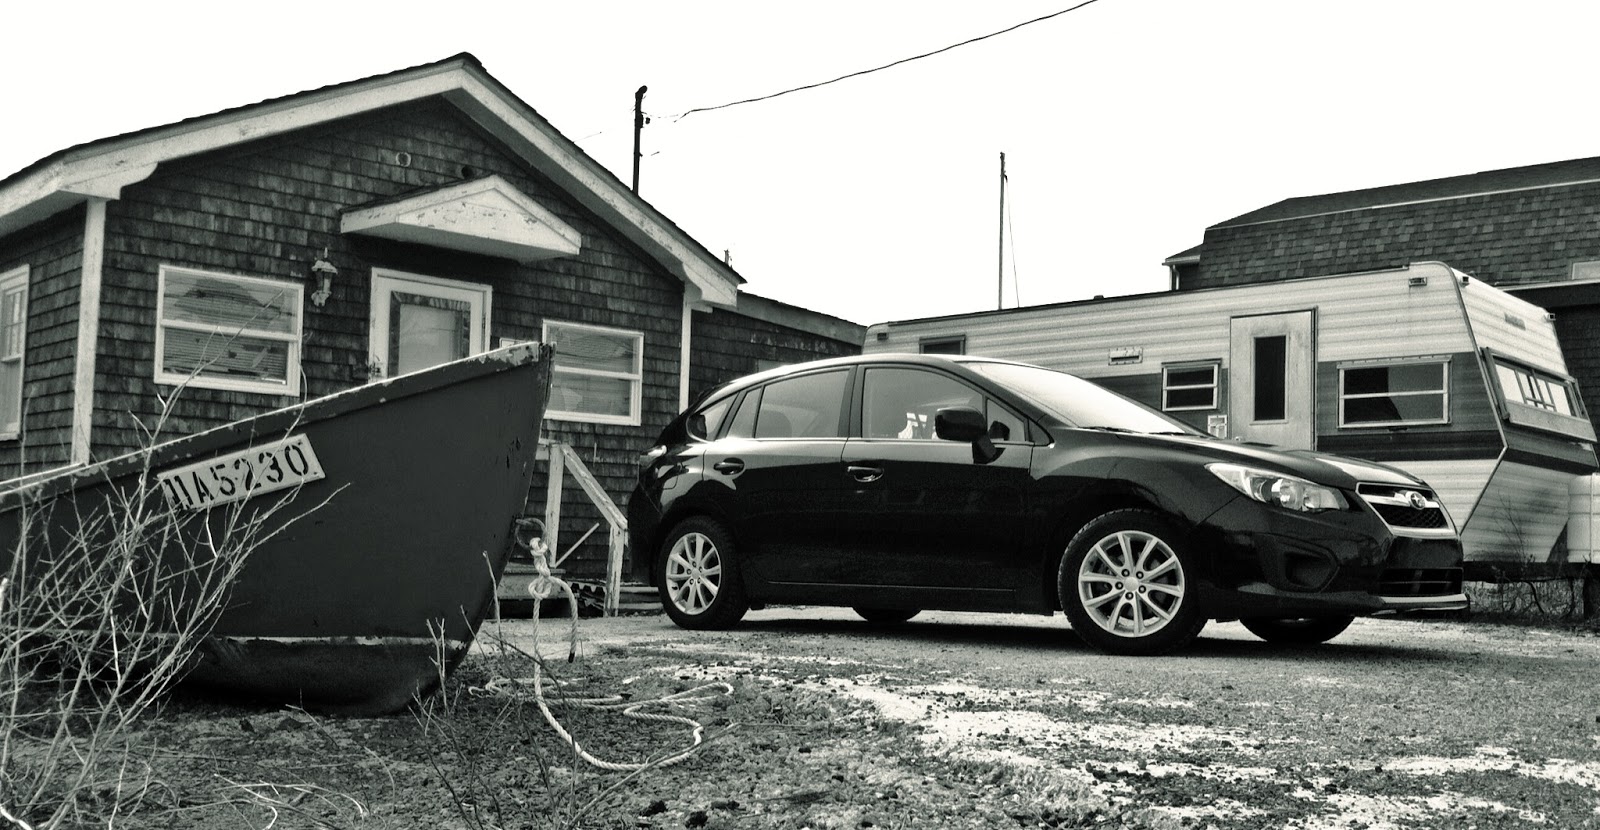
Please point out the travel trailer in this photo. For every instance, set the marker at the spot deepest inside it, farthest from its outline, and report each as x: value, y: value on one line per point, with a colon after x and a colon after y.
x: 1421, y: 367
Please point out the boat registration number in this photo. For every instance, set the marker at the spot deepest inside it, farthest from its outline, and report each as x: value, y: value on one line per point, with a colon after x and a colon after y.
x: 263, y: 468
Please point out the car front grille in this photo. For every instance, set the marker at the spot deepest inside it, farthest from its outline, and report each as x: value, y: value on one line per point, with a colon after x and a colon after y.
x: 1419, y: 582
x: 1399, y: 510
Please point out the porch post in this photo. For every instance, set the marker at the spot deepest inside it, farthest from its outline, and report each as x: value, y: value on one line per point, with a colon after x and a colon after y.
x: 94, y: 246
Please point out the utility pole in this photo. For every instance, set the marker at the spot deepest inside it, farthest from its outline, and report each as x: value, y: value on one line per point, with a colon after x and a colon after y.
x: 638, y: 127
x: 1000, y: 285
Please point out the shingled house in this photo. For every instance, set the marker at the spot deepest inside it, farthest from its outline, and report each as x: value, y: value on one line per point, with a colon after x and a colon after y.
x: 352, y: 232
x: 1534, y: 231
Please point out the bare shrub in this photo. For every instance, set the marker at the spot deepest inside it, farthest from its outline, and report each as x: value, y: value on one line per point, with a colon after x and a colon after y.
x: 104, y: 603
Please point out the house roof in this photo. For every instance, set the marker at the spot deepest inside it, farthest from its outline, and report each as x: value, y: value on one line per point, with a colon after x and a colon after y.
x: 101, y: 168
x: 1553, y: 174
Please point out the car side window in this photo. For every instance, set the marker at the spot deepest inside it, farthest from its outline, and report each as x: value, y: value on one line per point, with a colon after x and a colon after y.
x: 801, y: 407
x: 901, y: 403
x: 743, y: 424
x: 705, y: 423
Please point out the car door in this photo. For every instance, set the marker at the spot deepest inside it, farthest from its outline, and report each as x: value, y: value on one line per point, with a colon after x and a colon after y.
x: 920, y: 512
x: 777, y: 475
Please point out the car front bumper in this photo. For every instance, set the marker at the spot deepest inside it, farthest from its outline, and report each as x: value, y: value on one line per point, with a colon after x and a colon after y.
x: 1269, y: 562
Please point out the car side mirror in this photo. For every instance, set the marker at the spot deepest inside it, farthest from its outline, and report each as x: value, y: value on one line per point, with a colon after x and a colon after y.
x: 968, y: 425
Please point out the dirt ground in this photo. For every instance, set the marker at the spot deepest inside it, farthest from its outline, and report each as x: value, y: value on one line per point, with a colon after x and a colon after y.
x: 947, y: 721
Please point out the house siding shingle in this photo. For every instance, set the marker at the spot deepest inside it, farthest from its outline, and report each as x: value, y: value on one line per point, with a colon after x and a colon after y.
x: 1504, y: 239
x: 53, y: 252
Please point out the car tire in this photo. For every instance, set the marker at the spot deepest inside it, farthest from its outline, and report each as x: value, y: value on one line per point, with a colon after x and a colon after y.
x: 1128, y: 584
x: 1297, y: 631
x: 886, y: 615
x: 699, y: 580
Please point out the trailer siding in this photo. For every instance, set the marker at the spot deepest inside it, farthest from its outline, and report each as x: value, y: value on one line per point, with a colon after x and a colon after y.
x: 1459, y: 484
x: 1517, y: 520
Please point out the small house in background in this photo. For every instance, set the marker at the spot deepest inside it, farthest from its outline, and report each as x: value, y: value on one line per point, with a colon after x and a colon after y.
x: 300, y: 246
x: 1420, y: 367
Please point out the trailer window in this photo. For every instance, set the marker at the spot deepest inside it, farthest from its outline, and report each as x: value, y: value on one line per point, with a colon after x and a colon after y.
x: 1394, y: 394
x: 1189, y: 387
x: 1537, y: 389
x: 943, y: 345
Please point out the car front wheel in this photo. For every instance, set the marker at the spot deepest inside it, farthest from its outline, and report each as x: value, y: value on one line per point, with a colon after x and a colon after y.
x: 1126, y: 583
x: 1298, y: 631
x: 700, y: 584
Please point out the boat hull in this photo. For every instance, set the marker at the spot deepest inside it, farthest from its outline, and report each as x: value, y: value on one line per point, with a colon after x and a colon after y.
x: 372, y: 580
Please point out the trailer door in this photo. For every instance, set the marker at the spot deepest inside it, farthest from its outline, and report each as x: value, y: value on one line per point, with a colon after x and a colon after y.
x: 1271, y: 378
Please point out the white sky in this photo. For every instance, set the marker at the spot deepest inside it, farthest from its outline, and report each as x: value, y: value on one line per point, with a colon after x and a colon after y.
x: 1128, y: 125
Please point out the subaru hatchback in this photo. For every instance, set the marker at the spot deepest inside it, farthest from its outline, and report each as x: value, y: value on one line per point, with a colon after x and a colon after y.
x: 897, y: 483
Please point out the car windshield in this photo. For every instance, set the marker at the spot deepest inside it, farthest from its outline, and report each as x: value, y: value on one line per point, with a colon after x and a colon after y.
x: 1079, y: 402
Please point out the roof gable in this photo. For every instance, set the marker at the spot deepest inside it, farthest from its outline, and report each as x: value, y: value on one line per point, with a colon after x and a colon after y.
x: 483, y: 216
x: 100, y: 169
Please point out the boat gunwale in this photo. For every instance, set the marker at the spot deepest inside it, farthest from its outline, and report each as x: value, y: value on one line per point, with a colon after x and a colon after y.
x: 52, y: 483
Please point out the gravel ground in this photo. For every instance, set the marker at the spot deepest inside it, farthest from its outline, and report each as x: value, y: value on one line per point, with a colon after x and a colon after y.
x: 949, y: 721
x: 1397, y: 724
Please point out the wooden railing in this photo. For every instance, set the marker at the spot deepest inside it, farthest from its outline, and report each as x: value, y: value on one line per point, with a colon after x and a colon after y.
x: 563, y: 459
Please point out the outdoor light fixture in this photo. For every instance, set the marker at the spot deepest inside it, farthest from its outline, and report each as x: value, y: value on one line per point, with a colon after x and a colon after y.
x: 323, y: 272
x: 1418, y: 282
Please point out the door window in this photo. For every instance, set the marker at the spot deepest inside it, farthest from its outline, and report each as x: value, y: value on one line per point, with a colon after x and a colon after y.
x: 1271, y: 363
x: 418, y: 322
x: 807, y: 406
x: 902, y: 403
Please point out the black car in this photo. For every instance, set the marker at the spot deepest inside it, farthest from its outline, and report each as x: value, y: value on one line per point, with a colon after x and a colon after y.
x: 896, y: 483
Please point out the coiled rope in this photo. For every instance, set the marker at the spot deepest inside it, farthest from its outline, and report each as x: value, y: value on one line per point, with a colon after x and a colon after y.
x: 547, y: 586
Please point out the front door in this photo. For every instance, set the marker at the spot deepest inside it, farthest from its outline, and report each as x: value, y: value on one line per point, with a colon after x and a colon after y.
x: 1271, y: 378
x: 920, y: 514
x: 418, y: 322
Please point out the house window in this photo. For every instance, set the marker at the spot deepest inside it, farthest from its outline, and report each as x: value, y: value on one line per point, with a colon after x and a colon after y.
x: 220, y: 331
x: 1192, y: 386
x: 598, y: 373
x: 1395, y: 393
x: 13, y: 325
x: 1536, y: 389
x: 943, y: 345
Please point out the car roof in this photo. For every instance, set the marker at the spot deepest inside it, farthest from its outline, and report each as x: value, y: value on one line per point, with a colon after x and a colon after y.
x: 944, y: 360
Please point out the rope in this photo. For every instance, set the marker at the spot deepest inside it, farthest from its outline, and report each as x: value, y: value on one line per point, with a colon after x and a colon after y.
x: 546, y: 586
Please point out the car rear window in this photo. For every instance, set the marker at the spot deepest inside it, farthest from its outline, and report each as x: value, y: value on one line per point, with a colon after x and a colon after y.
x: 807, y: 406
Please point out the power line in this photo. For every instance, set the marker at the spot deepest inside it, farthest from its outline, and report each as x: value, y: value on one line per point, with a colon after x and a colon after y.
x: 885, y: 66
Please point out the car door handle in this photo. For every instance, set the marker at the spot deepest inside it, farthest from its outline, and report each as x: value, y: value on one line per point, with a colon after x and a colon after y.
x: 865, y: 474
x: 729, y: 466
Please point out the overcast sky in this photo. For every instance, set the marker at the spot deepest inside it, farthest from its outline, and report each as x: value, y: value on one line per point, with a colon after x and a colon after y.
x: 1128, y: 125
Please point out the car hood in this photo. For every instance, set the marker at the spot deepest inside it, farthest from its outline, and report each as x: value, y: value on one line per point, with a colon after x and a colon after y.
x: 1323, y: 468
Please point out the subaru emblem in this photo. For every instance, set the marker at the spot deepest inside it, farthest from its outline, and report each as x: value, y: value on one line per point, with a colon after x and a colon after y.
x: 1418, y: 501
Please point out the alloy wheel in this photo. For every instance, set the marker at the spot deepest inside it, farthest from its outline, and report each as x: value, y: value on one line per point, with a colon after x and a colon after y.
x: 1131, y: 583
x: 693, y: 573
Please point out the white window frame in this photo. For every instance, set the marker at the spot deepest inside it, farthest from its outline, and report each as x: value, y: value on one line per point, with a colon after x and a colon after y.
x: 1444, y: 393
x: 199, y: 380
x: 635, y: 377
x: 1214, y: 385
x: 11, y: 422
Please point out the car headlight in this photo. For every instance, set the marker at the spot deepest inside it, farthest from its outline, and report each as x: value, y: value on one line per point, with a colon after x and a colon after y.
x: 1285, y: 491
